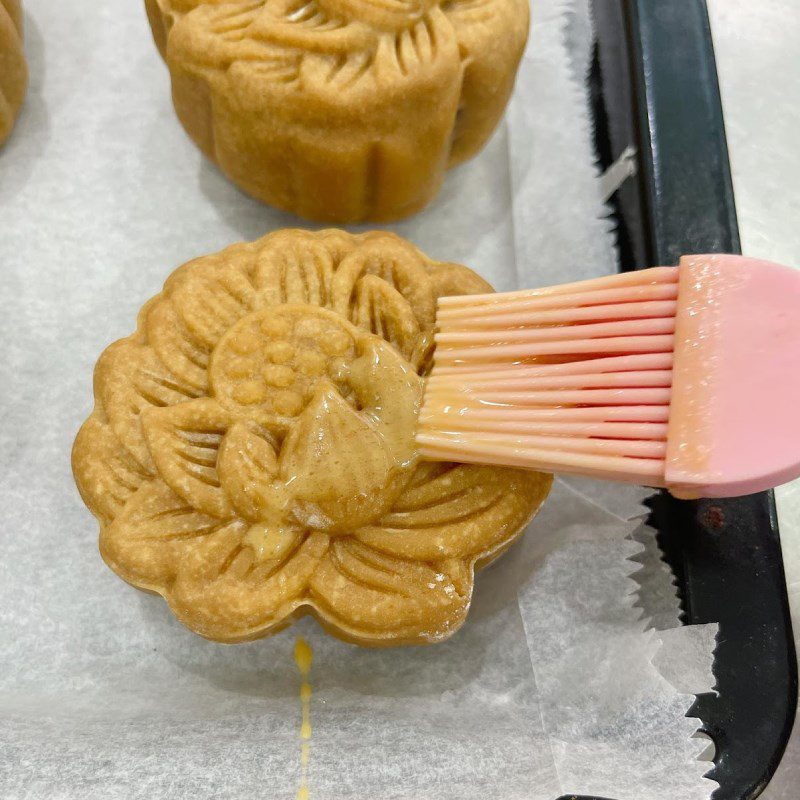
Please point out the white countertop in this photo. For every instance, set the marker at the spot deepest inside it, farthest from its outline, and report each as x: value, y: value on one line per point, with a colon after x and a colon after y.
x: 757, y: 48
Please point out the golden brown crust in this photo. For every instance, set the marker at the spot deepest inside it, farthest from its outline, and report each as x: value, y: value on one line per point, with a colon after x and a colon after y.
x: 13, y: 69
x: 340, y: 110
x: 250, y: 455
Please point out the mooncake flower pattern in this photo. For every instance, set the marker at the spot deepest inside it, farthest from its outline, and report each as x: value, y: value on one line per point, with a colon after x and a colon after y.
x: 340, y: 110
x: 250, y: 455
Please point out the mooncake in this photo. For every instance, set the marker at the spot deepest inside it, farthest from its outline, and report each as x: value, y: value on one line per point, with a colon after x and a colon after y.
x: 340, y: 110
x: 13, y: 69
x: 251, y: 457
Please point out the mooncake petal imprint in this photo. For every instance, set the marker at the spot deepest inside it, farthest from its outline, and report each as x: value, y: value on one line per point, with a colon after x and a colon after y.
x: 248, y: 467
x: 297, y: 268
x: 396, y: 263
x: 238, y: 599
x: 154, y: 532
x: 212, y: 297
x: 450, y: 279
x: 184, y: 441
x: 372, y: 596
x: 382, y: 310
x: 175, y: 345
x: 107, y: 475
x: 129, y: 377
x: 464, y: 512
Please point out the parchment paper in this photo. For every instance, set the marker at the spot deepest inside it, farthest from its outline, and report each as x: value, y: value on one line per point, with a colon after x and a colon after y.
x: 569, y: 676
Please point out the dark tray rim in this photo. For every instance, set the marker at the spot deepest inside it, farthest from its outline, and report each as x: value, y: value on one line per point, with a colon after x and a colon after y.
x: 655, y: 86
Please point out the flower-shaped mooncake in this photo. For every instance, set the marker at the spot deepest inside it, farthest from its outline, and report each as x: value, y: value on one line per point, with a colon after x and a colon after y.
x: 251, y: 454
x: 340, y: 110
x: 13, y: 69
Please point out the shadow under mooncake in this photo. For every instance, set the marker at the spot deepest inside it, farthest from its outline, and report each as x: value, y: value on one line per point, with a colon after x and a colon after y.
x: 340, y: 110
x: 251, y: 454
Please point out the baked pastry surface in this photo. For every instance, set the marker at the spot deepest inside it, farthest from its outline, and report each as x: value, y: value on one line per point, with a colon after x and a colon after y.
x: 340, y: 110
x: 13, y: 69
x: 251, y: 455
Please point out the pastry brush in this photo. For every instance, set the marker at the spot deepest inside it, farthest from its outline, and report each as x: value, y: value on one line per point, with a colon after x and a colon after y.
x: 682, y: 377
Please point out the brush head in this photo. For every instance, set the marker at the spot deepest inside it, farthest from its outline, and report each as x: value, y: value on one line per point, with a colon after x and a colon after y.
x: 683, y: 378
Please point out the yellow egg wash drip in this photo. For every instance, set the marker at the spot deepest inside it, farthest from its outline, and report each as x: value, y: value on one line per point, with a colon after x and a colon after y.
x: 303, y: 657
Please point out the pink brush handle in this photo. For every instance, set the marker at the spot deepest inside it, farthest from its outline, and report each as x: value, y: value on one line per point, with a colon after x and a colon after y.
x: 735, y: 416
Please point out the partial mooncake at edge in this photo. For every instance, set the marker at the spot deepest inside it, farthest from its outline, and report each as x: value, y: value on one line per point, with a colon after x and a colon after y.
x: 13, y: 69
x: 340, y: 110
x: 251, y: 454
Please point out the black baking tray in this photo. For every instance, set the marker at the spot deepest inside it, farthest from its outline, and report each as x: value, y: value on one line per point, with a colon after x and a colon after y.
x: 654, y: 86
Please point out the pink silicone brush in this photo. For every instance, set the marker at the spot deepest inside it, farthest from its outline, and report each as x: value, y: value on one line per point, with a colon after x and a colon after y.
x: 686, y: 378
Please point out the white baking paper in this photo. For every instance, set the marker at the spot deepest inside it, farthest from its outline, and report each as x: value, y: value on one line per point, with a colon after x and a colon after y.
x: 569, y: 676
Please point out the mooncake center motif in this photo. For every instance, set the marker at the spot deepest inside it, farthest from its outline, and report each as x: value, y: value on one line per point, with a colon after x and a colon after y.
x: 269, y: 364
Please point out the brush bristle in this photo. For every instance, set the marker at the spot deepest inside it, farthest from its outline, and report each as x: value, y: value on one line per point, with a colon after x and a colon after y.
x: 574, y: 378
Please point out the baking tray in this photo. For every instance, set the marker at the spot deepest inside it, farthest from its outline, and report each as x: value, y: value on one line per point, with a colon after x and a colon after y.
x: 654, y: 86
